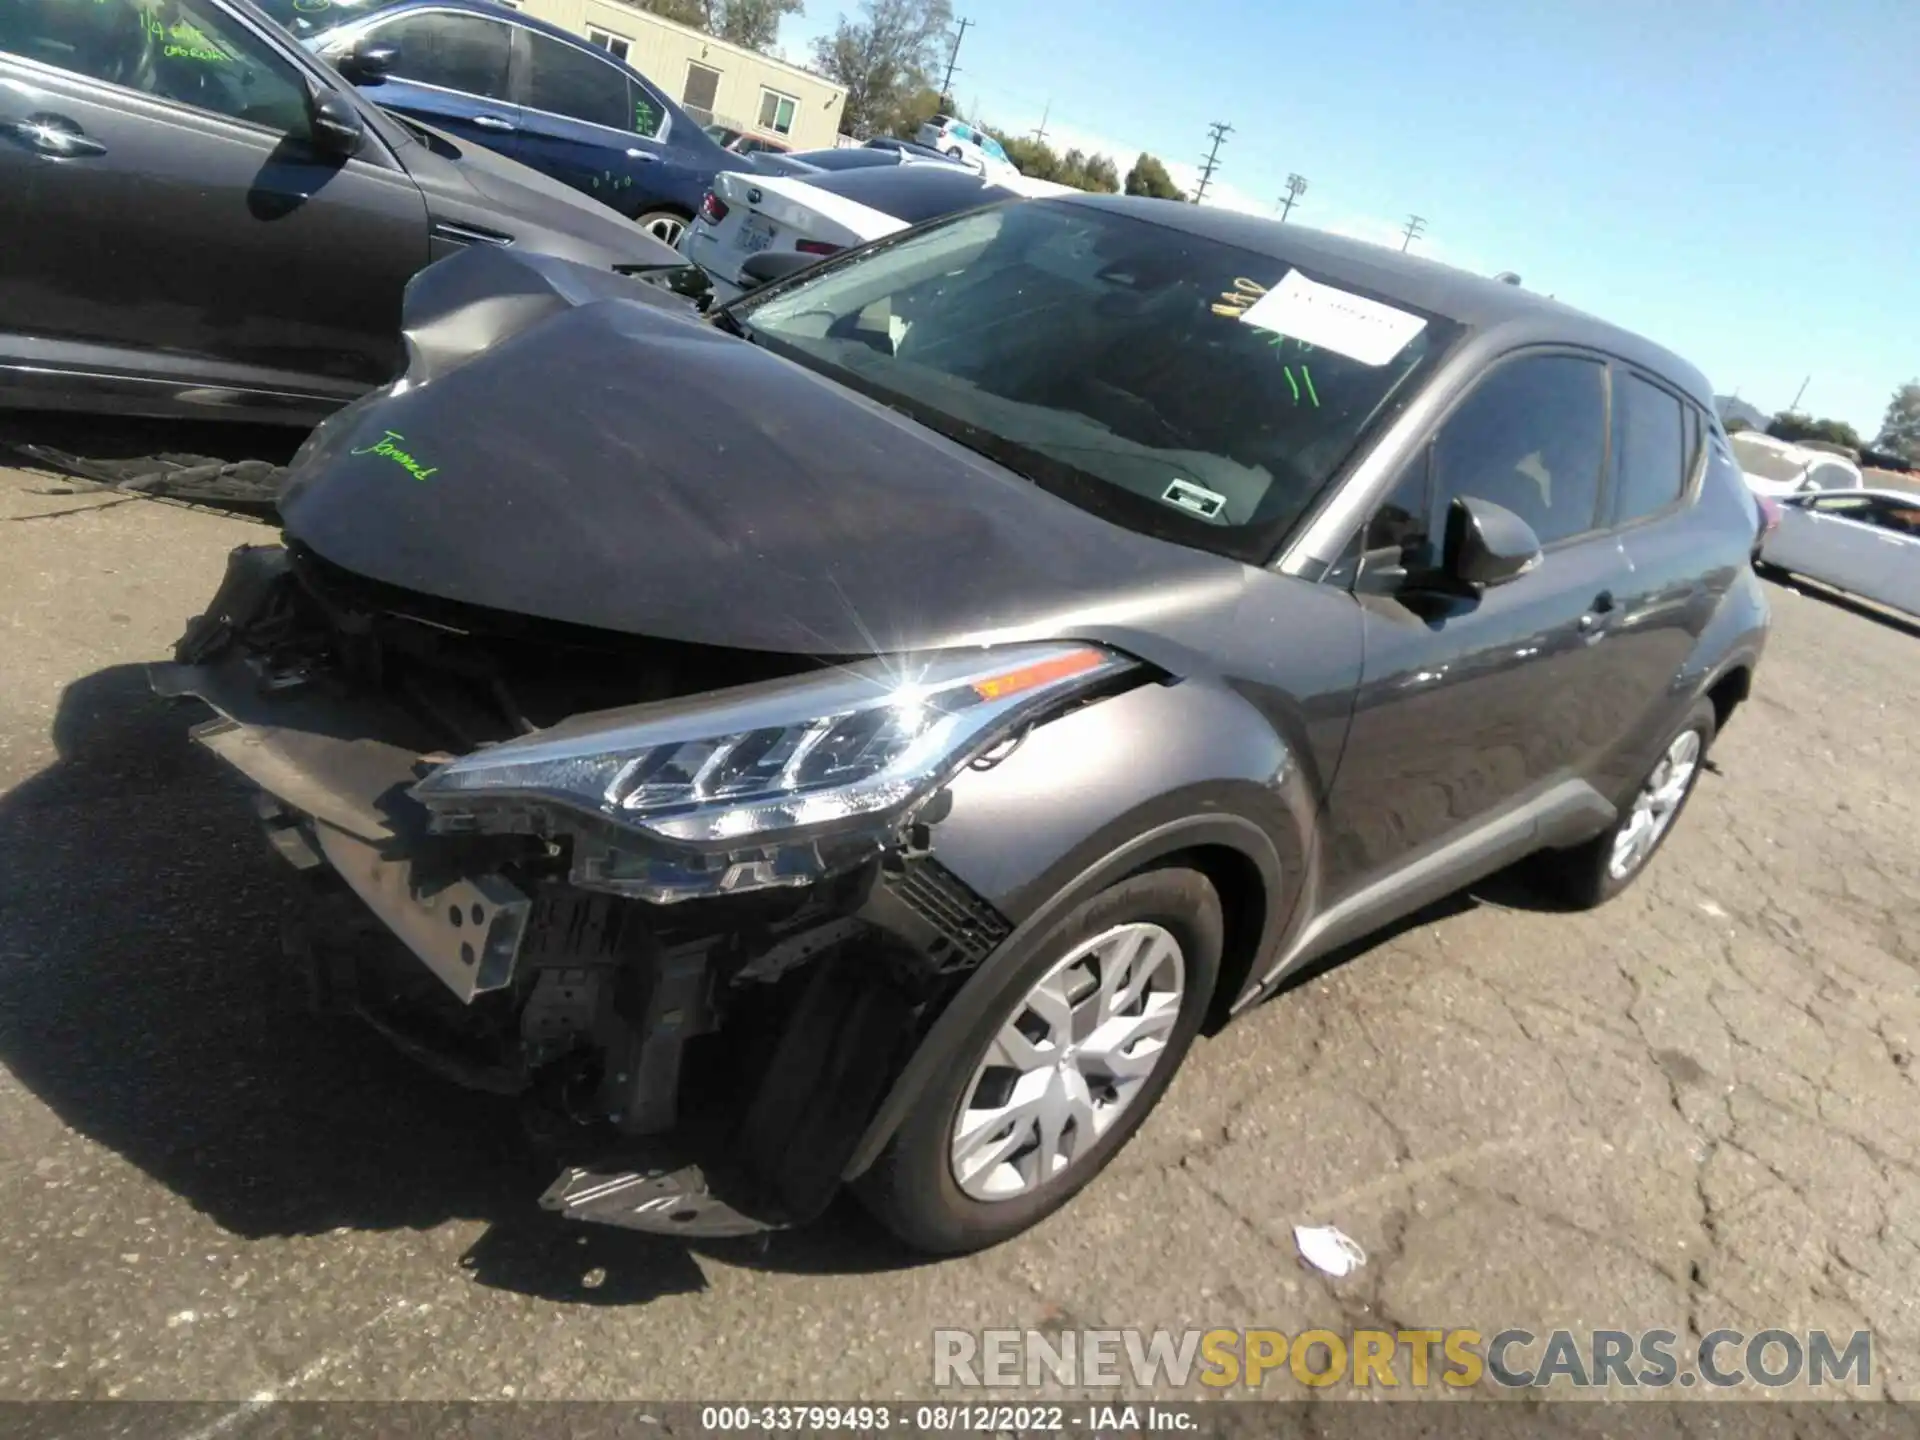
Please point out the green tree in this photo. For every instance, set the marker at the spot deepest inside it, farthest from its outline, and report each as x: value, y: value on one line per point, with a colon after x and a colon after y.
x: 1039, y: 160
x: 1149, y: 177
x: 1900, y: 431
x: 884, y: 58
x: 1789, y: 425
x: 752, y: 23
x: 1737, y: 424
x: 684, y: 12
x: 911, y: 110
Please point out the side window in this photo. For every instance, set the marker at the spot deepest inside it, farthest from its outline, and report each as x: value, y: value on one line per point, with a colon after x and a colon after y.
x: 564, y: 81
x: 1851, y: 507
x: 1650, y: 448
x: 454, y: 52
x: 179, y: 50
x: 1829, y: 477
x: 1404, y: 530
x: 649, y: 111
x: 1532, y: 437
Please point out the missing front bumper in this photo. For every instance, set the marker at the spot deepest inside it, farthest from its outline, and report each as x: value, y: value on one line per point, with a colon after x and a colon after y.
x: 345, y: 798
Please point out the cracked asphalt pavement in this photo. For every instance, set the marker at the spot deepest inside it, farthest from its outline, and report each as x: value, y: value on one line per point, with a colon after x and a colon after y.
x: 1692, y: 1109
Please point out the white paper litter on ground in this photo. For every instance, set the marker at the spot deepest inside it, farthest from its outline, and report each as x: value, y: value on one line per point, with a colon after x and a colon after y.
x: 1333, y: 319
x: 1327, y: 1250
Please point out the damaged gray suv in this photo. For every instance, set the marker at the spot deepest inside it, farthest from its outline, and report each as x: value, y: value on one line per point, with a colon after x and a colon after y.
x: 863, y: 734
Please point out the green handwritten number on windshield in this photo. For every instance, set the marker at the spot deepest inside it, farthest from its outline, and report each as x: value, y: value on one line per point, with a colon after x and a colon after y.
x: 388, y: 448
x: 643, y: 121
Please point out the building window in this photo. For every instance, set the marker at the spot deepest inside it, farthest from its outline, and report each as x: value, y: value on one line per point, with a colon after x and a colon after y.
x: 702, y: 90
x: 776, y: 111
x: 614, y: 45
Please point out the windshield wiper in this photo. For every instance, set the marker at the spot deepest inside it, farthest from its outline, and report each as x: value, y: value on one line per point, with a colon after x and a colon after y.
x: 726, y: 320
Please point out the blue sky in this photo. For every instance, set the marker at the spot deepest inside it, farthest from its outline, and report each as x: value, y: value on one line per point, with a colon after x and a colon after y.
x: 1740, y: 182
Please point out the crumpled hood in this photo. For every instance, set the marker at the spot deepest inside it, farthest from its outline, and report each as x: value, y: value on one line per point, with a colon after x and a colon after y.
x: 622, y: 466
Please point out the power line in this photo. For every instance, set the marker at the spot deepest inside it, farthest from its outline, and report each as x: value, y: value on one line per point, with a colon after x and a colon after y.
x: 1296, y: 187
x: 1040, y: 130
x: 1219, y: 131
x: 946, y: 85
x: 1416, y: 227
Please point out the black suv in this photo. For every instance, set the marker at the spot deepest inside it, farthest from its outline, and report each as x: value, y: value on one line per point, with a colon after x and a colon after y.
x: 864, y: 733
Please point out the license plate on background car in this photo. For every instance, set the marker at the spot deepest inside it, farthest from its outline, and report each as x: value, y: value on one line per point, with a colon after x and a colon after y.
x: 756, y: 234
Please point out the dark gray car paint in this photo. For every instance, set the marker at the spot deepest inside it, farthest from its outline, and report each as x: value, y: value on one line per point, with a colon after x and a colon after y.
x: 202, y: 265
x: 1351, y: 754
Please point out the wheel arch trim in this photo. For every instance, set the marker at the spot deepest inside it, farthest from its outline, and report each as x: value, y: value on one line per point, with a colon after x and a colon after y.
x: 1224, y: 831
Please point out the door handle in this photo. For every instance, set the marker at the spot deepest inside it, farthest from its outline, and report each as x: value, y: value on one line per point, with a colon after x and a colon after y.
x: 645, y: 157
x: 54, y: 135
x: 1602, y: 605
x: 494, y: 122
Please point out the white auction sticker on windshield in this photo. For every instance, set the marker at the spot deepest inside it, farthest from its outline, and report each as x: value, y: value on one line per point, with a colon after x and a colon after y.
x: 1333, y: 319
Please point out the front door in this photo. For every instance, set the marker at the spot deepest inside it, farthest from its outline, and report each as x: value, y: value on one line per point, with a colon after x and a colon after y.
x: 166, y: 213
x: 586, y: 122
x: 1470, y: 708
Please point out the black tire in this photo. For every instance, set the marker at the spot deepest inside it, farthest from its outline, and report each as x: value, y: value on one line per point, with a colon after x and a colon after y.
x: 911, y: 1188
x: 1583, y: 876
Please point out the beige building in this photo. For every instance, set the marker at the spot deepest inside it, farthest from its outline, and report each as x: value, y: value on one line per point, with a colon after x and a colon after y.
x: 713, y: 80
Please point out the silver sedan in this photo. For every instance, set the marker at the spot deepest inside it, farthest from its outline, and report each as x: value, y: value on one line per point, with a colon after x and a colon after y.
x: 1863, y: 541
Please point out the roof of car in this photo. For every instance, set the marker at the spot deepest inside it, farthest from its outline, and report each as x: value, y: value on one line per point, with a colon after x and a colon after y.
x: 493, y: 9
x: 1480, y: 302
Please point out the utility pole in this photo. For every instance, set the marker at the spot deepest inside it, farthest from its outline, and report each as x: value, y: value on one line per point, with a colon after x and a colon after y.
x: 1794, y: 408
x: 946, y: 85
x: 1296, y: 187
x: 1040, y: 130
x: 1416, y: 227
x: 1219, y: 132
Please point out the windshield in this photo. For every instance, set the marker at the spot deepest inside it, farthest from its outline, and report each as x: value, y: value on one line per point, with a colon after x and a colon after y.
x: 1757, y: 457
x: 1126, y: 366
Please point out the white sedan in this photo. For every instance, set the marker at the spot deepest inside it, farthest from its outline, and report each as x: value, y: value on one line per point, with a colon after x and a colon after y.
x: 823, y: 214
x: 1780, y: 468
x: 1863, y: 541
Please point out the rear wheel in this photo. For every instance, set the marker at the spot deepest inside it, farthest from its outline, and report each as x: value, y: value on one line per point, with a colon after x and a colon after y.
x: 666, y: 226
x: 1591, y: 874
x: 1074, y: 1049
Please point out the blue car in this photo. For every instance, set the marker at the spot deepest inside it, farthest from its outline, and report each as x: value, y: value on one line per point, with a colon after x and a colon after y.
x: 482, y: 72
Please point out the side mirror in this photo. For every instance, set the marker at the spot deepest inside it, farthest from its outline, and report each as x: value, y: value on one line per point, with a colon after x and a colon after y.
x: 771, y: 265
x: 1486, y: 544
x: 368, y: 63
x: 336, y: 126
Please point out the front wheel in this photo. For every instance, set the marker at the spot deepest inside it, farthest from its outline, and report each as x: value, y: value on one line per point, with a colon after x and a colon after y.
x: 666, y: 226
x: 1075, y: 1047
x: 1594, y: 873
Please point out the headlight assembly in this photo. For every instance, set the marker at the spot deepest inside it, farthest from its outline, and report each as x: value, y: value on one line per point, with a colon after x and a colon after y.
x: 745, y: 769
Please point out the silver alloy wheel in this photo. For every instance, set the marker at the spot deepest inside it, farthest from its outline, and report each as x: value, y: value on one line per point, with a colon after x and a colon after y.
x: 1655, y: 805
x: 1067, y: 1061
x: 666, y: 228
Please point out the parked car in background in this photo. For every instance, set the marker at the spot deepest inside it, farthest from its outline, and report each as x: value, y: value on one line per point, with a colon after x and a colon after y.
x: 534, y: 92
x: 202, y: 218
x: 823, y: 214
x: 741, y: 142
x: 968, y: 144
x: 1780, y: 468
x: 869, y: 157
x: 872, y: 739
x: 1866, y: 542
x: 912, y: 150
